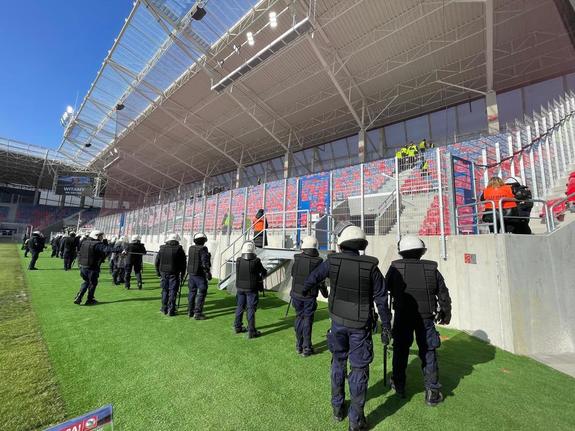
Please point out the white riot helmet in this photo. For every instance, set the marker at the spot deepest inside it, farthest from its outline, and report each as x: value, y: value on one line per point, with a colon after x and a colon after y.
x: 136, y: 238
x: 200, y: 238
x: 173, y: 237
x: 410, y: 242
x: 114, y: 239
x: 248, y: 248
x: 511, y: 180
x: 352, y: 237
x: 309, y: 242
x: 121, y: 239
x: 36, y: 232
x: 95, y: 234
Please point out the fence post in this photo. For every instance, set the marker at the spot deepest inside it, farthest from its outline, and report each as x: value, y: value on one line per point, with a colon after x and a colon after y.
x: 564, y: 132
x: 510, y: 151
x: 541, y: 161
x: 230, y: 218
x: 440, y: 196
x: 559, y: 136
x: 330, y: 212
x: 284, y: 213
x: 397, y: 200
x: 498, y: 157
x: 486, y: 172
x: 362, y: 202
x: 216, y: 216
x: 571, y: 111
x: 548, y: 151
x: 534, y: 185
x: 553, y: 137
x: 521, y: 160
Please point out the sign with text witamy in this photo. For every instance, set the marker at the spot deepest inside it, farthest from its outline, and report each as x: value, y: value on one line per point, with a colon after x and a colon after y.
x: 100, y: 420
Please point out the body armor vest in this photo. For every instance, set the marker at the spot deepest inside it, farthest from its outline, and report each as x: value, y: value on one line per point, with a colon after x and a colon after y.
x: 135, y: 253
x: 351, y: 295
x: 88, y: 255
x: 195, y: 266
x: 70, y: 244
x: 303, y: 266
x: 168, y: 258
x: 247, y: 277
x: 417, y: 290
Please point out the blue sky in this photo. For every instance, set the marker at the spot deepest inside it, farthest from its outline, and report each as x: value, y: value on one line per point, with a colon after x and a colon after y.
x: 51, y: 51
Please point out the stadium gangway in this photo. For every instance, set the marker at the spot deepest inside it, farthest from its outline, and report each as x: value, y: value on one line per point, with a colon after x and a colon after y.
x: 229, y: 254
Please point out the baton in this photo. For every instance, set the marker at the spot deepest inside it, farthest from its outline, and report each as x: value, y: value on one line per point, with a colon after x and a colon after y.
x: 287, y: 311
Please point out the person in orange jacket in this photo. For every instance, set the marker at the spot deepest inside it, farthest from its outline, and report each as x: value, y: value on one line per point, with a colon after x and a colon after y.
x: 260, y: 226
x: 495, y: 191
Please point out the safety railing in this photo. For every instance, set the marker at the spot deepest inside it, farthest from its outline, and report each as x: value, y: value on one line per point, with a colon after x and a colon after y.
x: 503, y: 217
x: 551, y: 209
x: 476, y: 217
x: 231, y: 251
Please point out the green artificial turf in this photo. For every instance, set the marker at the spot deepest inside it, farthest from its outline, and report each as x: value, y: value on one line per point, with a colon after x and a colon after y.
x: 164, y: 373
x: 29, y: 396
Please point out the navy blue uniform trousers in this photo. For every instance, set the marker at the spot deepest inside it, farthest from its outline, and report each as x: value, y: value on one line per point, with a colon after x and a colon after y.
x: 34, y: 258
x: 170, y: 284
x: 68, y: 259
x: 249, y: 301
x: 428, y: 341
x: 128, y: 273
x: 90, y: 277
x: 305, y: 309
x: 198, y: 287
x: 355, y: 345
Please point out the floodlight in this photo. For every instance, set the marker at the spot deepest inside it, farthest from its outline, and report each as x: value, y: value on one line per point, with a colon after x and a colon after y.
x: 69, y: 109
x: 273, y: 19
x: 250, y: 37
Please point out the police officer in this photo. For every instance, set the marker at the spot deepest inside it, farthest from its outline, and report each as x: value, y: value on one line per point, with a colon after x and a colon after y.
x: 355, y: 284
x: 523, y: 194
x: 118, y: 259
x: 55, y: 243
x: 36, y: 246
x: 112, y: 244
x: 60, y: 252
x: 305, y: 305
x: 70, y: 247
x: 92, y: 254
x: 199, y: 266
x: 134, y: 255
x: 416, y: 288
x: 250, y: 274
x: 171, y: 267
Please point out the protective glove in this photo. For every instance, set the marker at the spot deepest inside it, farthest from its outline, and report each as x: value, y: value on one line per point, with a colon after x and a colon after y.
x: 158, y: 274
x: 323, y: 290
x: 443, y: 317
x: 385, y: 335
x: 209, y: 275
x: 305, y: 292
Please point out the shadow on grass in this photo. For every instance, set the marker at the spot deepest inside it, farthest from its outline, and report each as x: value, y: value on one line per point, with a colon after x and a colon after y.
x: 288, y: 322
x: 460, y: 354
x: 147, y: 298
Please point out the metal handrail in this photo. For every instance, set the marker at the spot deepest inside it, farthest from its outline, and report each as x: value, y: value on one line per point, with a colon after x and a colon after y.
x: 478, y: 213
x: 502, y: 217
x: 556, y: 204
x: 223, y: 261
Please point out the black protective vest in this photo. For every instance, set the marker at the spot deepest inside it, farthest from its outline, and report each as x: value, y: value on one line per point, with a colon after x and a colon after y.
x: 351, y: 294
x: 303, y: 265
x: 247, y: 277
x: 169, y: 258
x: 135, y: 253
x: 195, y: 260
x: 69, y: 244
x: 416, y: 292
x: 88, y: 255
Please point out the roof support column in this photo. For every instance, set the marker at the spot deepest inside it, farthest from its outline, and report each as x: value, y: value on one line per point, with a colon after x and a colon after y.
x: 490, y: 98
x: 288, y: 158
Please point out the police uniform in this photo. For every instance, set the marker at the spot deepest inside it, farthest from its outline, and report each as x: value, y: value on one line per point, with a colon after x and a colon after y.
x: 305, y: 302
x: 416, y: 288
x: 92, y: 254
x: 522, y: 193
x: 135, y: 252
x: 199, y: 266
x: 170, y: 266
x: 70, y: 247
x: 356, y: 283
x: 55, y: 243
x: 119, y: 260
x: 36, y: 246
x: 249, y: 281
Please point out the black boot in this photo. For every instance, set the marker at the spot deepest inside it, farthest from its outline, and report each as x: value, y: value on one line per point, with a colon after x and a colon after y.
x: 400, y: 392
x: 254, y: 334
x: 240, y: 330
x: 199, y: 316
x: 308, y: 352
x: 361, y: 425
x: 339, y: 413
x: 433, y: 397
x: 78, y: 300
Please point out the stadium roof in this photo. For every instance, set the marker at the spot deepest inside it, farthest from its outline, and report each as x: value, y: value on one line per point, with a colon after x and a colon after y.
x: 351, y: 64
x: 32, y: 166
